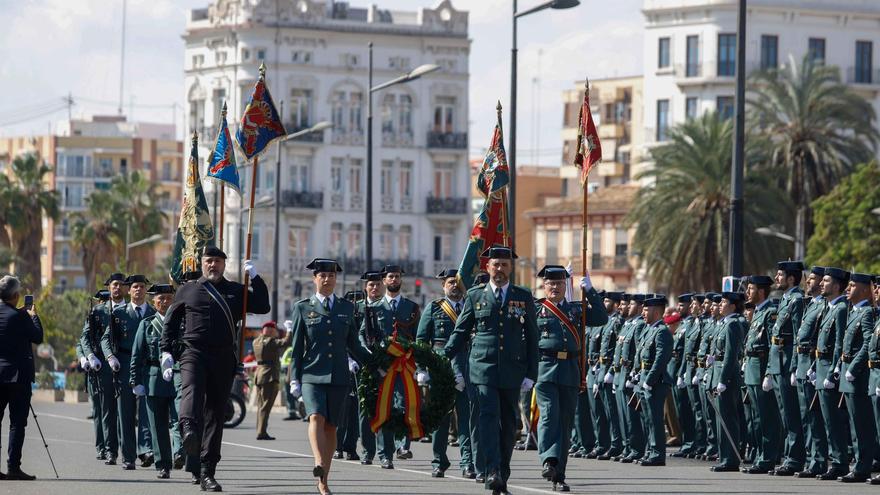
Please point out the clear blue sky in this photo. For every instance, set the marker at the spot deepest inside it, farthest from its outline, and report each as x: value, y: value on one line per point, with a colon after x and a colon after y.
x: 51, y: 47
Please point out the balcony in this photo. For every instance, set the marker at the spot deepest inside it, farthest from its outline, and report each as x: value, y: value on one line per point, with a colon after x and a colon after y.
x: 863, y: 76
x: 397, y: 139
x: 618, y: 263
x: 312, y: 137
x: 411, y: 268
x: 348, y: 138
x: 302, y: 199
x: 448, y: 140
x: 446, y: 206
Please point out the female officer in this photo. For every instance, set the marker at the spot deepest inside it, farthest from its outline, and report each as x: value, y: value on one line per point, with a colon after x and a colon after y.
x: 323, y: 330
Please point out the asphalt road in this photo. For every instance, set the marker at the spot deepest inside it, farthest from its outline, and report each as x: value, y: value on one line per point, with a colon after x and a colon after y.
x: 284, y: 466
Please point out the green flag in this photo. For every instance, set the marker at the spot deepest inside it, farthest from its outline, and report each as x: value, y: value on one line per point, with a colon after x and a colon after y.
x: 195, y: 230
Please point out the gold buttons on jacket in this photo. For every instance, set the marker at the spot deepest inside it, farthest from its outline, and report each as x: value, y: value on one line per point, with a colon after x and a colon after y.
x: 330, y: 355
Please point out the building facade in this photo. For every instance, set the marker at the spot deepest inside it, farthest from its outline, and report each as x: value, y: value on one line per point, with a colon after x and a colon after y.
x: 316, y: 55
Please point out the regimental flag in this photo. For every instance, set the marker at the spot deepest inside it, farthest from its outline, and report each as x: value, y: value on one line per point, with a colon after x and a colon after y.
x: 260, y: 124
x: 195, y: 230
x: 589, y: 149
x: 221, y: 164
x: 490, y: 225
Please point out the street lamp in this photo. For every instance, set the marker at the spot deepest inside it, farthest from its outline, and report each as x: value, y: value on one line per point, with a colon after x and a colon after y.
x: 128, y: 245
x: 411, y: 76
x: 735, y: 240
x: 767, y: 231
x: 511, y: 148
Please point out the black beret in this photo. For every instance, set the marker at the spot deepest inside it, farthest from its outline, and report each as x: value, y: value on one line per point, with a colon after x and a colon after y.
x: 700, y: 298
x: 639, y: 298
x: 760, y: 280
x: 319, y: 265
x: 214, y: 251
x: 716, y: 297
x: 447, y: 273
x: 392, y: 269
x: 553, y: 272
x: 837, y: 274
x: 860, y: 278
x: 657, y: 300
x: 732, y: 296
x: 371, y: 276
x: 499, y: 253
x: 791, y: 266
x: 114, y: 277
x: 685, y: 298
x: 161, y: 289
x: 103, y: 295
x: 135, y: 279
x: 625, y: 297
x: 818, y: 270
x: 614, y: 296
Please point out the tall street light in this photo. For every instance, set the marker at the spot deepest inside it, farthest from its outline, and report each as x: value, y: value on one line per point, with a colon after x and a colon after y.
x: 411, y: 76
x: 511, y: 148
x: 319, y: 127
x: 735, y: 246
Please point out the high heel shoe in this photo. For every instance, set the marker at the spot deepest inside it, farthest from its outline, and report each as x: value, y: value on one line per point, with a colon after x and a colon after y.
x: 318, y: 472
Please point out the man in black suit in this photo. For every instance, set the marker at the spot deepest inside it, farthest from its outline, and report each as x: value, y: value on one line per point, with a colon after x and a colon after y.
x: 19, y: 328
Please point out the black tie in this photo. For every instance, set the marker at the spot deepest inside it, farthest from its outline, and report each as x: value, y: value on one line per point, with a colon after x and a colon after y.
x: 394, y: 305
x: 138, y: 309
x: 327, y: 304
x: 498, y: 296
x: 457, y: 308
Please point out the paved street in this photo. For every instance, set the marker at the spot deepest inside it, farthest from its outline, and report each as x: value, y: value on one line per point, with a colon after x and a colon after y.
x: 284, y: 466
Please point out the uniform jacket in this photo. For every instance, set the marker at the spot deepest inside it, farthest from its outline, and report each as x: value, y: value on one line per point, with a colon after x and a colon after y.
x: 829, y: 341
x: 121, y: 329
x: 874, y: 358
x: 788, y: 321
x: 435, y: 328
x: 691, y: 346
x: 655, y: 354
x: 625, y: 350
x: 18, y: 330
x: 145, y: 369
x: 854, y: 350
x: 707, y: 334
x: 677, y: 363
x: 90, y: 339
x: 383, y: 319
x: 608, y: 341
x: 727, y: 349
x: 805, y: 338
x: 503, y: 337
x: 757, y: 345
x: 268, y: 351
x: 554, y: 337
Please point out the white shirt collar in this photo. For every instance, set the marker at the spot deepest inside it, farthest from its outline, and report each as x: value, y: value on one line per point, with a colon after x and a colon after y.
x: 503, y: 288
x: 160, y: 316
x: 321, y: 298
x: 395, y: 299
x: 142, y: 306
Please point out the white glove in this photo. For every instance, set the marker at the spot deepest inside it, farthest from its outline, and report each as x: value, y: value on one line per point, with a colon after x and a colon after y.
x: 811, y: 375
x: 767, y: 384
x: 877, y: 391
x: 166, y: 361
x: 849, y: 376
x: 647, y: 387
x: 422, y: 378
x: 609, y: 377
x: 139, y: 390
x: 353, y: 366
x: 710, y: 360
x: 167, y: 374
x: 295, y: 389
x: 638, y: 377
x: 837, y: 370
x: 743, y: 367
x: 527, y: 384
x: 114, y: 363
x: 250, y: 269
x: 84, y: 363
x: 629, y: 384
x: 288, y: 325
x: 828, y: 384
x: 793, y: 380
x: 459, y: 382
x: 586, y: 283
x: 94, y: 362
x: 595, y: 388
x: 720, y: 388
x: 680, y: 383
x: 382, y: 372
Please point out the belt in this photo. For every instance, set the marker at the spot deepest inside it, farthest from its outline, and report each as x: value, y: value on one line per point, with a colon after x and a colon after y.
x: 560, y: 355
x: 592, y: 361
x: 784, y: 340
x: 847, y: 358
x: 266, y: 363
x: 719, y: 358
x: 153, y: 362
x: 804, y: 349
x: 701, y: 362
x: 439, y: 343
x: 874, y: 363
x: 625, y: 363
x: 646, y: 364
x: 756, y: 353
x: 615, y: 368
x: 823, y: 355
x: 605, y: 360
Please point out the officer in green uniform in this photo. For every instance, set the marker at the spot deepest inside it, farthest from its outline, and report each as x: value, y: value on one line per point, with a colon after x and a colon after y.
x: 725, y: 357
x: 117, y: 343
x: 701, y: 378
x: 90, y: 340
x: 146, y: 380
x: 853, y: 367
x: 499, y: 321
x: 788, y: 321
x: 324, y: 334
x: 393, y: 313
x: 765, y: 413
x: 559, y: 370
x: 435, y: 327
x: 600, y: 426
x: 829, y: 343
x: 632, y: 430
x: 369, y: 337
x: 677, y: 368
x: 874, y: 376
x: 654, y: 379
x: 93, y: 382
x: 803, y: 376
x: 691, y: 328
x: 605, y: 379
x: 348, y: 432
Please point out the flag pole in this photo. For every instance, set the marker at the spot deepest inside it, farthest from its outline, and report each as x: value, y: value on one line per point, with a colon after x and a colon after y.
x: 247, y: 256
x: 583, y: 355
x: 222, y: 208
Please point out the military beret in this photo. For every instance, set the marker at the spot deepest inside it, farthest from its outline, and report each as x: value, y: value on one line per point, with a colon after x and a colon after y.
x: 481, y: 278
x: 685, y: 298
x: 214, y: 252
x: 499, y: 253
x: 639, y: 298
x: 115, y: 277
x: 818, y: 270
x: 392, y: 269
x: 270, y: 324
x: 156, y: 289
x: 614, y: 296
x: 136, y: 279
x: 711, y: 295
x: 447, y: 273
x: 876, y: 279
x: 837, y: 274
x: 672, y: 318
x: 657, y: 300
x: 860, y: 278
x: 716, y: 297
x: 626, y: 297
x: 732, y: 296
x: 371, y: 276
x: 790, y: 266
x: 103, y: 295
x: 553, y: 272
x: 700, y: 298
x: 760, y: 280
x: 320, y: 265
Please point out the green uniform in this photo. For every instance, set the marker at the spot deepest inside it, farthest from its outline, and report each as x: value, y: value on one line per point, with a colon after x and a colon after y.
x: 765, y: 413
x: 435, y: 327
x: 632, y: 433
x: 90, y: 341
x: 815, y: 439
x: 683, y: 408
x: 727, y: 349
x: 788, y: 321
x: 160, y: 395
x: 854, y: 359
x: 692, y: 331
x: 502, y: 328
x: 605, y: 380
x: 829, y: 343
x: 267, y: 375
x: 656, y: 351
x: 703, y: 375
x: 367, y: 338
x: 93, y: 388
x: 593, y: 405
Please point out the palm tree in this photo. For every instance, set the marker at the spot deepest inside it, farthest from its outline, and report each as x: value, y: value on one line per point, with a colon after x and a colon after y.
x: 31, y: 200
x: 96, y: 234
x: 6, y: 209
x: 139, y: 208
x: 683, y: 216
x: 817, y: 130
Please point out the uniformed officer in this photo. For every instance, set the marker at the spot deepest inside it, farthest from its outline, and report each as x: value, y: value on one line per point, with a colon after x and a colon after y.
x: 654, y: 379
x: 267, y: 349
x: 208, y: 311
x: 692, y: 334
x: 874, y: 375
x: 499, y: 320
x: 324, y: 334
x: 560, y: 372
x: 93, y: 384
x: 90, y: 340
x: 601, y: 428
x: 678, y: 365
x: 726, y: 350
x: 853, y: 367
x: 605, y: 382
x: 788, y: 321
x: 145, y: 378
x: 117, y: 343
x: 624, y: 357
x: 702, y: 377
x: 347, y: 431
x: 369, y: 336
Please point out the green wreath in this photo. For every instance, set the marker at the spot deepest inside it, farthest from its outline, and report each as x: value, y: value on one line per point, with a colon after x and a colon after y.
x: 440, y: 400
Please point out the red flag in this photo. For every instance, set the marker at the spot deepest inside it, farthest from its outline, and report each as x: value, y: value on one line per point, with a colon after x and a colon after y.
x: 589, y: 150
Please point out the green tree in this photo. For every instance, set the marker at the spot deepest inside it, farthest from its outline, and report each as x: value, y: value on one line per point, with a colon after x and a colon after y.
x: 816, y: 128
x: 62, y: 316
x: 683, y: 215
x: 847, y: 231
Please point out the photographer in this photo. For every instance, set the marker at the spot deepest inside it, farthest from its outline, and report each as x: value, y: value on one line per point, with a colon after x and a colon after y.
x: 19, y: 328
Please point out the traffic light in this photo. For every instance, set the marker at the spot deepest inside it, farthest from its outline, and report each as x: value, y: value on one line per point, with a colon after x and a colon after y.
x: 418, y: 287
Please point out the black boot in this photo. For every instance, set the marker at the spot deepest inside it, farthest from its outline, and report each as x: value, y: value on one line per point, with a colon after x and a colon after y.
x: 209, y: 484
x: 18, y: 474
x: 188, y: 438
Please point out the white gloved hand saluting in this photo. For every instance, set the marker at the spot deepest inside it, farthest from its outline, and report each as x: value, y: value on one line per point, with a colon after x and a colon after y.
x: 849, y: 376
x: 459, y: 382
x: 527, y: 384
x: 793, y: 380
x: 295, y: 389
x: 84, y: 363
x: 114, y: 363
x: 586, y: 283
x: 288, y: 325
x: 720, y: 388
x: 422, y: 378
x: 139, y: 390
x: 167, y: 374
x: 609, y: 377
x: 94, y: 362
x: 250, y: 268
x: 767, y: 384
x: 353, y: 365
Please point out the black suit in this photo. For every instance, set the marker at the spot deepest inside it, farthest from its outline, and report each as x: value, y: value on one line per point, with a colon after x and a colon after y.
x: 18, y: 330
x: 208, y: 361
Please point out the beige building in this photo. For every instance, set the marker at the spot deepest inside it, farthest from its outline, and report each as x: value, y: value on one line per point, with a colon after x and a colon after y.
x: 85, y: 155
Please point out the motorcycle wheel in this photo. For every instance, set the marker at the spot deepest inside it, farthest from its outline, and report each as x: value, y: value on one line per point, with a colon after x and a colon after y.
x: 235, y: 411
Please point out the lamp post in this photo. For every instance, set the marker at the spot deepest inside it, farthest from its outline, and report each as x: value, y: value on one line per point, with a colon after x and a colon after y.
x: 511, y: 148
x: 128, y: 245
x: 772, y: 232
x: 735, y: 246
x: 411, y: 76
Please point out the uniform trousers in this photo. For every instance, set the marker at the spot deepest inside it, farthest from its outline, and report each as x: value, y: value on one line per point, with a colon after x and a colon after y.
x: 127, y: 407
x: 861, y: 417
x: 266, y: 394
x: 699, y: 421
x: 440, y: 437
x: 728, y: 441
x: 478, y: 456
x: 556, y: 404
x: 165, y: 436
x: 109, y: 412
x: 653, y: 403
x: 766, y: 422
x: 836, y: 427
x: 815, y: 438
x: 793, y: 450
x: 498, y: 413
x: 92, y: 380
x: 601, y: 432
x: 347, y: 431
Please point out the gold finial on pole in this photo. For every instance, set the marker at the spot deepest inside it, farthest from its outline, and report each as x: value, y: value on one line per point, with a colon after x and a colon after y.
x: 223, y: 112
x: 195, y: 138
x: 262, y: 70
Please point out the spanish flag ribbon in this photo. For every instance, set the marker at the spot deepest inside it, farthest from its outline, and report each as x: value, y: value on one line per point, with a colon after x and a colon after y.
x: 404, y: 366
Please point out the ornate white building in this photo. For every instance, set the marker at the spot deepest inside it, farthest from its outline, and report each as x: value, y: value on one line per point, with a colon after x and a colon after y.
x: 316, y: 56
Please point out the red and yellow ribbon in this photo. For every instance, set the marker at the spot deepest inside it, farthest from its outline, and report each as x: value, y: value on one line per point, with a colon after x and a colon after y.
x: 404, y: 366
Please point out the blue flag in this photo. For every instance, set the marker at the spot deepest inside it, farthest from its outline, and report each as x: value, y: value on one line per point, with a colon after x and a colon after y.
x: 221, y: 165
x: 260, y: 123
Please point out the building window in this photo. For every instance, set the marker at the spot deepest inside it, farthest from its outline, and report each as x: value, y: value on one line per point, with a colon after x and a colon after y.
x: 864, y: 61
x: 444, y: 112
x: 219, y: 58
x: 261, y: 54
x: 255, y: 242
x: 551, y: 255
x: 198, y: 61
x: 816, y: 50
x: 443, y: 177
x: 300, y: 109
x: 596, y: 245
x: 662, y: 120
x: 386, y: 242
x: 347, y: 109
x: 196, y: 115
x: 354, y: 245
x: 298, y: 242
x: 692, y: 63
x: 336, y: 181
x: 74, y: 195
x: 354, y: 176
x: 386, y: 184
x: 406, y: 180
x: 724, y: 104
x: 300, y: 169
x: 245, y: 54
x: 769, y: 52
x: 404, y: 242
x: 726, y: 54
x: 301, y: 57
x: 621, y: 242
x: 166, y: 170
x: 335, y: 239
x: 105, y: 167
x: 663, y: 53
x: 690, y: 107
x: 442, y: 245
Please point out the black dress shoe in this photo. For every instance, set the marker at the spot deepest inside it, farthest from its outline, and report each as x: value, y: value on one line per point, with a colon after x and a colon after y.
x: 352, y: 456
x: 519, y: 446
x: 337, y: 454
x: 653, y: 462
x: 468, y: 473
x: 875, y: 480
x: 163, y: 474
x: 593, y: 454
x: 128, y: 466
x: 404, y: 454
x: 387, y: 464
x: 875, y: 467
x: 549, y: 471
x: 680, y: 453
x: 101, y: 456
x: 723, y: 469
x: 782, y: 471
x: 580, y: 453
x: 561, y: 486
x: 480, y: 479
x: 19, y: 475
x: 179, y: 462
x: 266, y: 436
x: 755, y: 469
x: 831, y: 475
x: 366, y: 461
x: 806, y: 474
x: 437, y: 473
x: 209, y: 484
x: 854, y: 477
x: 494, y: 482
x: 147, y: 460
x: 712, y: 457
x: 627, y: 460
x: 195, y: 480
x: 188, y: 439
x: 2, y: 476
x: 111, y: 461
x: 289, y: 418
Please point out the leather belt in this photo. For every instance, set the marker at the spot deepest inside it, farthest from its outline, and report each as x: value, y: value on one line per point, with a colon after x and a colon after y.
x: 784, y: 340
x: 592, y: 361
x: 804, y: 349
x: 823, y: 355
x: 646, y: 364
x: 756, y: 353
x: 605, y: 360
x: 560, y: 355
x: 625, y: 363
x: 874, y: 363
x: 847, y: 358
